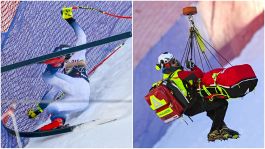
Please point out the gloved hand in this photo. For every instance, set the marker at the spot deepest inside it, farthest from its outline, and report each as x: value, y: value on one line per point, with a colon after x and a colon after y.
x: 190, y: 64
x: 67, y: 12
x: 34, y: 113
x: 156, y: 83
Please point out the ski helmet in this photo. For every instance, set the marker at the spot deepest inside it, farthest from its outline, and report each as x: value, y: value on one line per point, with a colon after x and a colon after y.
x: 165, y: 57
x: 168, y: 62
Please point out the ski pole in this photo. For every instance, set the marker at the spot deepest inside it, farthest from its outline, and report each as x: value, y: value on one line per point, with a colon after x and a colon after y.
x: 102, y: 12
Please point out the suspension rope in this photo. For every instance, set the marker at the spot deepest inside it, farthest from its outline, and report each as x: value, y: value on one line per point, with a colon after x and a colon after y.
x: 203, y: 53
x: 199, y: 43
x: 185, y: 51
x: 200, y: 38
x: 215, y: 57
x: 194, y: 52
x: 188, y: 51
x: 102, y: 12
x: 200, y: 57
x: 209, y: 51
x: 190, y: 47
x: 215, y: 50
x: 207, y: 61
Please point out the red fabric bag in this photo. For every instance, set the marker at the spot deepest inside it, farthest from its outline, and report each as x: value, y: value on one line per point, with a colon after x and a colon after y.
x: 166, y: 106
x: 228, y: 77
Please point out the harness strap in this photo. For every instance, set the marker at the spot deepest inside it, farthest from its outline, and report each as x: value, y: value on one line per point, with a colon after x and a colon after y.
x: 171, y: 75
x: 214, y: 76
x: 221, y: 90
x: 206, y: 90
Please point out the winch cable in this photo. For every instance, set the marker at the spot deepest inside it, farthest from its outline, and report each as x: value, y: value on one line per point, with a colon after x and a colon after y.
x: 204, y: 55
x: 196, y: 41
x: 218, y: 53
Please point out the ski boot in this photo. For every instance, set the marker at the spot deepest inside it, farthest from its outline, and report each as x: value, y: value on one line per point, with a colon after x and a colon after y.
x: 56, y: 123
x: 229, y: 133
x: 215, y: 135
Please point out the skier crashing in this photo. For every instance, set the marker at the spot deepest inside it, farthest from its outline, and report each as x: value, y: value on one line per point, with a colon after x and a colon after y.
x: 70, y: 85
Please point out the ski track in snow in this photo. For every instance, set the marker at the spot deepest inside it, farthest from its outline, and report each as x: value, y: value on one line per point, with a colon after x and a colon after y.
x: 111, y: 81
x: 245, y: 115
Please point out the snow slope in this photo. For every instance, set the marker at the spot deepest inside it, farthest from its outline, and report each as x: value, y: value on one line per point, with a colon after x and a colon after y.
x: 245, y: 115
x: 111, y: 96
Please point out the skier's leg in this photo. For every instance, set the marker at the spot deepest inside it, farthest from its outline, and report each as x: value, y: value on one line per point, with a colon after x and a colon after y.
x: 57, y: 119
x: 57, y: 82
x: 61, y: 112
x: 66, y: 77
x: 49, y: 96
x: 55, y: 113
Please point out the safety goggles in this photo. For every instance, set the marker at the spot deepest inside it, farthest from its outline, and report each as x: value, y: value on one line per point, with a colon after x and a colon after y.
x: 166, y: 64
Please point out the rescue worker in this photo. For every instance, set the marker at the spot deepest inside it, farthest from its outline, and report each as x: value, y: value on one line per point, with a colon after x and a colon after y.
x: 187, y: 82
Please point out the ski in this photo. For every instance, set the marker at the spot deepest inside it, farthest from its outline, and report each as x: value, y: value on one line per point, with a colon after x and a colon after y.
x: 65, y: 129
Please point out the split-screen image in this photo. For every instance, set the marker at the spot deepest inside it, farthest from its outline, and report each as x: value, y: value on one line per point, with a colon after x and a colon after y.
x: 132, y: 74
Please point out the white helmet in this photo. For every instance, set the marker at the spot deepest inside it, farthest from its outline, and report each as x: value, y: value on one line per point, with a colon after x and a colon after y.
x: 167, y: 60
x: 165, y: 57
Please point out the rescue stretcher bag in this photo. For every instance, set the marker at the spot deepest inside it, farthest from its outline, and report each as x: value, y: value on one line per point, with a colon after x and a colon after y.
x: 167, y: 105
x: 232, y: 82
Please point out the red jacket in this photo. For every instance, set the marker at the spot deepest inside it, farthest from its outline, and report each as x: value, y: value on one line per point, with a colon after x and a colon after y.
x: 186, y: 74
